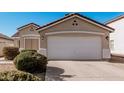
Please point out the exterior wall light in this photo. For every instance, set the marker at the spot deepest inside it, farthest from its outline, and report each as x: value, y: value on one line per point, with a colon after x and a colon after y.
x: 107, y: 37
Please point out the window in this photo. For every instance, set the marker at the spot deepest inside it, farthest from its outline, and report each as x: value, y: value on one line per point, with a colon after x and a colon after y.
x: 112, y: 44
x: 32, y: 44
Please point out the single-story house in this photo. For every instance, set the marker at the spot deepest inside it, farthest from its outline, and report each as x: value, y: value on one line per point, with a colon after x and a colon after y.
x: 117, y: 37
x: 5, y: 41
x: 73, y: 37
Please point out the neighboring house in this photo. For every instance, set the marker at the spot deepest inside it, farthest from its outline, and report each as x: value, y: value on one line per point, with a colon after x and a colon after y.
x: 117, y: 37
x: 5, y: 41
x: 74, y: 37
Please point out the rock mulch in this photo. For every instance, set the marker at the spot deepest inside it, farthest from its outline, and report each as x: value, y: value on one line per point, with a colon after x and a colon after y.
x: 6, y: 65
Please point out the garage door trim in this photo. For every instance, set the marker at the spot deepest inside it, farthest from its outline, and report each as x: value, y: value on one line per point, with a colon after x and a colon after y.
x: 62, y: 32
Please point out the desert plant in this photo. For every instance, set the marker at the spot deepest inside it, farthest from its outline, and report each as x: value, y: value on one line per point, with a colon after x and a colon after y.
x: 10, y: 52
x: 30, y: 62
x: 18, y: 76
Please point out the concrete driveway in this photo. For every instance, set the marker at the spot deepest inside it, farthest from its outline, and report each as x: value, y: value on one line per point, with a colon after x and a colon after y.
x: 84, y: 70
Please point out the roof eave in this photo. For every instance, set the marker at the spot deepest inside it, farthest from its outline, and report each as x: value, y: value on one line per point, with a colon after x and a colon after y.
x: 45, y: 26
x: 114, y: 19
x: 27, y: 25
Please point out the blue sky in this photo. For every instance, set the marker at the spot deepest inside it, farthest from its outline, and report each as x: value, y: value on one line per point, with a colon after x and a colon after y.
x: 10, y: 21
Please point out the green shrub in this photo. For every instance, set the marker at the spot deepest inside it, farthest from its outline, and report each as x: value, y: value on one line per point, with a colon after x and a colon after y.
x: 10, y: 52
x: 29, y: 50
x: 17, y: 76
x: 30, y: 62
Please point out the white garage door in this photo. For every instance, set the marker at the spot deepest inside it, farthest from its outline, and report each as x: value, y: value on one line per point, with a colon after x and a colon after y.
x: 74, y: 47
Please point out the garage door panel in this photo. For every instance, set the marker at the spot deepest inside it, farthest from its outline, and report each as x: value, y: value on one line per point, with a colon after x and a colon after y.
x: 90, y: 48
x: 74, y: 47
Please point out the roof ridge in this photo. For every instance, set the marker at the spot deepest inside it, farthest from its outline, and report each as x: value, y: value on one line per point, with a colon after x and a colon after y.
x: 28, y: 24
x: 24, y: 26
x: 72, y: 15
x: 114, y: 19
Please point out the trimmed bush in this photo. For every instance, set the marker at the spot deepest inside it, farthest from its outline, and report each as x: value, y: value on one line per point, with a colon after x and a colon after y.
x: 30, y: 62
x: 10, y: 52
x: 17, y: 76
x: 29, y: 50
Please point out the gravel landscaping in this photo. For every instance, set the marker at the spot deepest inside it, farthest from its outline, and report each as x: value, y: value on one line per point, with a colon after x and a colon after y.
x: 9, y: 66
x: 6, y: 65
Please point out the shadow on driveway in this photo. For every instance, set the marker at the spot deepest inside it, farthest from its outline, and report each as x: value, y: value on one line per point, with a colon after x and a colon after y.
x: 55, y: 74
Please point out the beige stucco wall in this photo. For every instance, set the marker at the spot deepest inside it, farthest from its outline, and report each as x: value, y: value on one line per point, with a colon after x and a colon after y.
x: 67, y: 26
x: 4, y: 43
x: 25, y: 31
x: 16, y: 42
x: 82, y: 26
